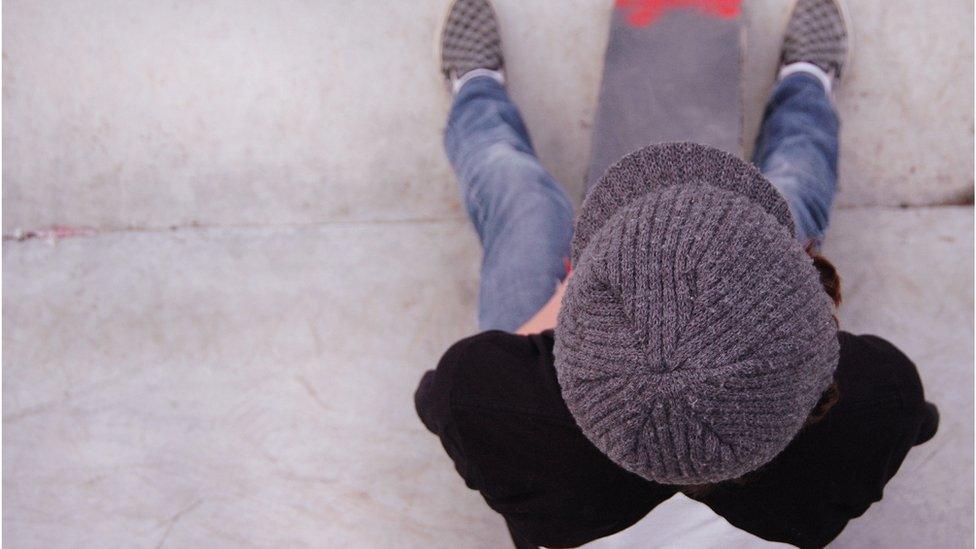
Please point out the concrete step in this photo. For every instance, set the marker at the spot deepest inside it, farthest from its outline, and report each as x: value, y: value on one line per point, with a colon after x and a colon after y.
x: 151, y: 115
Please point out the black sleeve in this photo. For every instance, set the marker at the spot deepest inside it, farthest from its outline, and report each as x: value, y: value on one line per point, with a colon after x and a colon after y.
x: 432, y: 401
x: 913, y: 394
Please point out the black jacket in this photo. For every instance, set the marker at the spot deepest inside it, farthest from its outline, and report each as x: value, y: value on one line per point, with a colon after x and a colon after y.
x: 496, y: 405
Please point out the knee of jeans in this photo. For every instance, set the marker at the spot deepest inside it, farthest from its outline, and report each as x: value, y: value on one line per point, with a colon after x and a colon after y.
x: 811, y: 151
x: 480, y: 143
x: 513, y: 181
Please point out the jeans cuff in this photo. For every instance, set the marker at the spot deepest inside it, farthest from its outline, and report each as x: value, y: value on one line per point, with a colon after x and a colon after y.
x: 497, y: 76
x: 807, y: 68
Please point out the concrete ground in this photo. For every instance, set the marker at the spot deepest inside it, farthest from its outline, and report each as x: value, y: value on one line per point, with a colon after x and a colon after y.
x: 263, y: 249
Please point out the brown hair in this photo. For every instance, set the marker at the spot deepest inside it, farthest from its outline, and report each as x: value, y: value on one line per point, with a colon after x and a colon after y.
x: 830, y: 281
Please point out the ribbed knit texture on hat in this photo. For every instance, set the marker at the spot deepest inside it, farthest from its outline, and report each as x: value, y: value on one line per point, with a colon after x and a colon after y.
x: 694, y: 338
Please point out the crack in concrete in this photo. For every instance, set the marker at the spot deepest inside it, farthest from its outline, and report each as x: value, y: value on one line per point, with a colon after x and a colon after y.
x: 62, y: 232
x: 174, y: 519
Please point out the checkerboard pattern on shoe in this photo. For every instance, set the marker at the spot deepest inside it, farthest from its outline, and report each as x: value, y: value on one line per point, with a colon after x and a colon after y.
x: 470, y: 39
x: 817, y: 34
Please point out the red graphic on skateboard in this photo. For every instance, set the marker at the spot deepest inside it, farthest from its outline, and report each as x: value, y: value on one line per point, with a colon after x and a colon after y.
x: 646, y: 12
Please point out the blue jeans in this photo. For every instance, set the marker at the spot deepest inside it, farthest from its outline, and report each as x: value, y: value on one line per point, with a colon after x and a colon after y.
x: 797, y: 150
x: 525, y: 220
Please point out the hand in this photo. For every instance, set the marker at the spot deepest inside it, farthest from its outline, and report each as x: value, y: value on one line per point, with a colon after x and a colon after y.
x: 546, y: 318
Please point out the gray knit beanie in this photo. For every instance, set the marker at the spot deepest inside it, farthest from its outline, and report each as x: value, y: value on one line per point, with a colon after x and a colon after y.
x: 695, y: 337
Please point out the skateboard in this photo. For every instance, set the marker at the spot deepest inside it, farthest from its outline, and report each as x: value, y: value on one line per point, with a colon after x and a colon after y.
x: 672, y: 72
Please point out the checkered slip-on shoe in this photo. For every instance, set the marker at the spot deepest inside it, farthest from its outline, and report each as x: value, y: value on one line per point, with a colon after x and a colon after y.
x: 469, y: 39
x: 818, y: 33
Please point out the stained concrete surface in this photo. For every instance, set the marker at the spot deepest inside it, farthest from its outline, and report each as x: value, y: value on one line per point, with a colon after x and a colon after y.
x: 253, y: 386
x: 245, y: 378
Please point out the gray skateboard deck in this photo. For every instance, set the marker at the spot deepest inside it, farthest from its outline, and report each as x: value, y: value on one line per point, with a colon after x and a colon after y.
x: 672, y: 72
